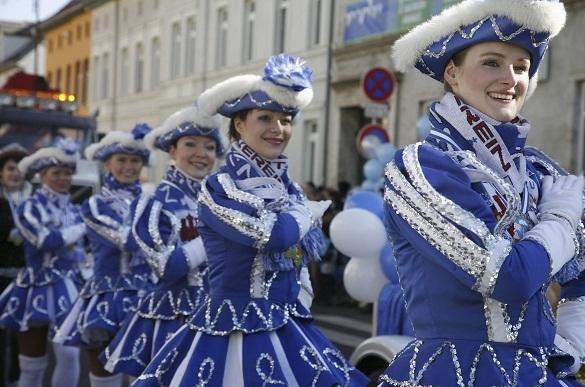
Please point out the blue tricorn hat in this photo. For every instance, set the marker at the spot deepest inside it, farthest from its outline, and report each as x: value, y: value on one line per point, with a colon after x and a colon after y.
x: 529, y: 24
x: 63, y: 152
x: 118, y: 141
x: 189, y: 121
x: 285, y: 87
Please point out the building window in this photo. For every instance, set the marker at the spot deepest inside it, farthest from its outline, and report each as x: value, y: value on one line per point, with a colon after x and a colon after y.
x: 78, y: 32
x: 222, y: 33
x: 249, y: 22
x: 280, y: 27
x: 315, y: 15
x: 49, y: 78
x: 155, y: 4
x: 60, y: 41
x: 68, y: 79
x: 139, y: 69
x: 154, y: 63
x: 58, y: 84
x: 78, y: 80
x: 139, y: 8
x: 124, y: 72
x: 105, y: 78
x: 84, y: 81
x: 87, y: 29
x: 70, y: 37
x: 106, y: 21
x: 175, y: 57
x: 96, y: 25
x: 124, y: 14
x: 95, y: 86
x: 190, y: 46
x: 580, y: 128
x: 50, y: 44
x: 310, y: 157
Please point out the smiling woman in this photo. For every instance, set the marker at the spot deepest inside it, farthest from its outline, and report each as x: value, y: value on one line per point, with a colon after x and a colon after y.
x: 480, y: 223
x: 260, y: 232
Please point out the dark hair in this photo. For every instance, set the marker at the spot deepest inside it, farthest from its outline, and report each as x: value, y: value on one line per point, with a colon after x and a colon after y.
x: 233, y: 133
x: 4, y: 160
x: 457, y: 61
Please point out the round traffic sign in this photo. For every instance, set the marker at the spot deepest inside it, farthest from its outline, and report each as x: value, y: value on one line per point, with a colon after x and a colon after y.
x: 378, y: 84
x: 369, y: 138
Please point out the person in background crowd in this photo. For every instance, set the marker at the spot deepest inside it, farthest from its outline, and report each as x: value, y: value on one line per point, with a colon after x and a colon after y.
x: 37, y: 301
x: 259, y: 232
x: 13, y: 191
x: 165, y: 229
x: 480, y: 223
x: 112, y: 293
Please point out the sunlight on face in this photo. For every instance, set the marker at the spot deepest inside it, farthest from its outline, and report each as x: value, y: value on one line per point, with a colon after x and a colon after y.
x: 267, y: 132
x: 194, y: 155
x: 493, y: 78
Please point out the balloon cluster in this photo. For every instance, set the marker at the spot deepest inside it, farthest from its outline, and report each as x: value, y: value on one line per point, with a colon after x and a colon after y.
x: 358, y: 232
x: 374, y: 168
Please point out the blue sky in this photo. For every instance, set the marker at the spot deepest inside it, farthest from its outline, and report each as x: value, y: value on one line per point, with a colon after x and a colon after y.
x: 22, y: 10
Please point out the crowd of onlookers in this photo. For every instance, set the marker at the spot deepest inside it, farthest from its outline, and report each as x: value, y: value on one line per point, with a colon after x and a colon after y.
x: 327, y: 275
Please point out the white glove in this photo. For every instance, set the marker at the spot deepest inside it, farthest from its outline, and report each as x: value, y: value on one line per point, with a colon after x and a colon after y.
x: 560, y: 207
x: 570, y: 320
x: 306, y: 292
x: 318, y: 208
x: 562, y: 198
x: 73, y: 233
x: 302, y: 216
x: 195, y: 252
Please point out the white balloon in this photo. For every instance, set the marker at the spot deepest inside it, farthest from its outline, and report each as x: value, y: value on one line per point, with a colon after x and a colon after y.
x: 369, y: 145
x: 363, y: 279
x: 356, y: 232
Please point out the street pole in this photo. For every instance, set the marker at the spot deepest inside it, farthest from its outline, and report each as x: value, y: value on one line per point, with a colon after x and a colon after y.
x: 36, y: 35
x: 328, y: 91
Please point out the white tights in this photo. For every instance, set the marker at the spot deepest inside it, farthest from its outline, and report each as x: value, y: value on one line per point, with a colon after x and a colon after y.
x: 105, y: 381
x: 66, y: 372
x: 32, y: 370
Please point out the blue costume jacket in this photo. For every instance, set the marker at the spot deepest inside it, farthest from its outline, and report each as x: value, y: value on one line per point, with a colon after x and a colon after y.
x: 162, y: 227
x: 113, y: 292
x: 45, y: 289
x: 253, y: 330
x: 475, y: 289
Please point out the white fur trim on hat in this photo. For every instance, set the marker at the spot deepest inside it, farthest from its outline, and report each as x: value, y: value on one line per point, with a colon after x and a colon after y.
x: 189, y: 114
x: 536, y: 15
x: 116, y: 137
x: 50, y: 152
x: 235, y: 87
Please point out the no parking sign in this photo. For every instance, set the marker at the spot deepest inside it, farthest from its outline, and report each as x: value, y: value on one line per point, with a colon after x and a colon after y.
x: 378, y: 84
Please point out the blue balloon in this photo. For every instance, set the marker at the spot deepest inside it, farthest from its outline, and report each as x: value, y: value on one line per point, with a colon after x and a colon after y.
x: 388, y: 263
x: 373, y: 170
x: 385, y: 153
x: 369, y: 185
x: 366, y: 200
x: 423, y: 127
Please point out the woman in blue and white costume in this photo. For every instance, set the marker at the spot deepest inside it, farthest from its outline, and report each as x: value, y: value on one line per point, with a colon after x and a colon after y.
x: 259, y: 233
x: 43, y: 292
x: 113, y: 292
x: 165, y: 229
x: 479, y: 227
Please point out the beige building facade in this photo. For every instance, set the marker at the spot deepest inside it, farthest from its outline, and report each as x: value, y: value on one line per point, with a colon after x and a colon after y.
x: 556, y: 110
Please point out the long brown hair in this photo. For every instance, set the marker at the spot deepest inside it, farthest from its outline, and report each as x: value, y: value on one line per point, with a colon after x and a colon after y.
x: 233, y: 133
